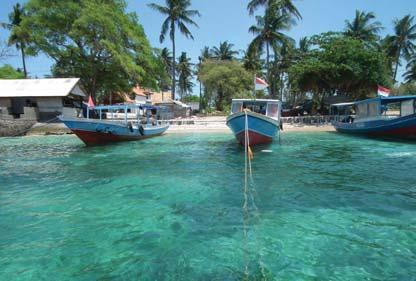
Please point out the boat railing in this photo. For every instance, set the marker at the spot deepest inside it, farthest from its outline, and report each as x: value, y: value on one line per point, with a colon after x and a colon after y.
x: 310, y: 119
x: 295, y: 120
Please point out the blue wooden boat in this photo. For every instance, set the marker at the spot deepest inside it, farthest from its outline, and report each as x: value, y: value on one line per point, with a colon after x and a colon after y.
x: 116, y: 123
x: 389, y: 117
x: 262, y: 116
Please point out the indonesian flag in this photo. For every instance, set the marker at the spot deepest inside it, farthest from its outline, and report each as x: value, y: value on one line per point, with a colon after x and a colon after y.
x: 260, y: 84
x: 384, y: 92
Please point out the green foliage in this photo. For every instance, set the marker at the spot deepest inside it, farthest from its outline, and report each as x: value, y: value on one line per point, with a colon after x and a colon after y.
x: 401, y: 43
x: 268, y: 34
x: 223, y: 81
x: 19, y: 36
x: 283, y: 6
x: 410, y: 74
x: 94, y: 40
x: 191, y: 98
x: 341, y: 65
x: 252, y: 61
x: 178, y: 16
x: 224, y: 51
x: 362, y: 28
x: 185, y: 74
x: 8, y: 72
x: 405, y: 89
x: 162, y: 69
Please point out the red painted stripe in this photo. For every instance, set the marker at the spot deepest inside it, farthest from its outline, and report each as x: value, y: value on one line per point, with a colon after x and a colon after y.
x: 95, y: 138
x: 254, y: 138
x: 409, y: 132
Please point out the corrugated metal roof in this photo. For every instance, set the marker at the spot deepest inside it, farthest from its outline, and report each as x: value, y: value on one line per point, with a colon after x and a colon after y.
x: 48, y: 87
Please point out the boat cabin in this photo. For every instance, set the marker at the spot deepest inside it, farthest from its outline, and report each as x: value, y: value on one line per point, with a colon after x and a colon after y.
x: 142, y: 114
x: 374, y: 109
x: 270, y: 108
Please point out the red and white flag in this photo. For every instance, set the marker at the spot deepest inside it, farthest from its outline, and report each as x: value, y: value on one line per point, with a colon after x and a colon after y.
x: 260, y: 84
x: 384, y: 92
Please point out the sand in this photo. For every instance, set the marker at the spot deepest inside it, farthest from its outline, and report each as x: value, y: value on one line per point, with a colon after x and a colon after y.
x: 190, y: 125
x: 217, y: 124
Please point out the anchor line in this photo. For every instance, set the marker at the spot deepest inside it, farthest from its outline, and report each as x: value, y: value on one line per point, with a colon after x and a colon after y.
x: 249, y: 194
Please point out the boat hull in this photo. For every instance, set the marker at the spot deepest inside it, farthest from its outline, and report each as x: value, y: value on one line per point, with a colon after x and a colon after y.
x: 398, y: 128
x: 99, y: 132
x: 261, y: 129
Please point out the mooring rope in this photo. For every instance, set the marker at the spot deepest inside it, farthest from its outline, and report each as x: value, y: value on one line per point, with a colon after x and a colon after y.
x: 245, y: 205
x: 249, y: 190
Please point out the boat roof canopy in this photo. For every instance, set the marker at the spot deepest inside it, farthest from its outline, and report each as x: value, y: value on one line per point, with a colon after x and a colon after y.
x: 126, y: 106
x: 256, y: 100
x: 387, y: 100
x: 382, y: 100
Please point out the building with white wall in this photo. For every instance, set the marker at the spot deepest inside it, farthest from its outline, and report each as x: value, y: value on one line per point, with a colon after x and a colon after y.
x: 40, y: 99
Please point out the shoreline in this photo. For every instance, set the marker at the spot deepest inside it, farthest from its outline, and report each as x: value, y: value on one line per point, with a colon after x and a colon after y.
x: 41, y: 129
x: 195, y: 125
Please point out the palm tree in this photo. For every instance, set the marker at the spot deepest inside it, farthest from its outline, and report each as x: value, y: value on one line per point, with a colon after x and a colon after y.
x: 268, y: 33
x: 362, y: 28
x: 224, y: 52
x: 17, y: 36
x: 401, y: 43
x: 252, y: 60
x: 185, y: 75
x: 206, y: 53
x: 284, y: 6
x: 166, y: 57
x: 178, y: 16
x: 410, y: 74
x: 304, y: 45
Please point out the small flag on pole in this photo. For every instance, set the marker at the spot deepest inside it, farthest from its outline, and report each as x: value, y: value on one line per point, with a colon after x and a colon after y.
x: 260, y: 84
x: 91, y: 102
x: 384, y: 92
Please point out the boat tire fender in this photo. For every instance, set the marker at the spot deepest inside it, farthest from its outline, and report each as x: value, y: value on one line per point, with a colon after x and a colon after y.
x: 130, y: 126
x: 141, y: 130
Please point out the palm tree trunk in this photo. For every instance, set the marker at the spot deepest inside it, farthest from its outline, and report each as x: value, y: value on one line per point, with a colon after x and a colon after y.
x: 268, y: 68
x: 200, y: 96
x: 22, y: 49
x: 397, y: 64
x: 172, y: 26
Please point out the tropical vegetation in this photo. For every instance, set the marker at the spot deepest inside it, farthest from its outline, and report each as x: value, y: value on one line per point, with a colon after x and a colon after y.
x: 177, y: 16
x: 224, y: 80
x: 106, y: 46
x: 8, y: 72
x: 18, y: 35
x: 185, y: 74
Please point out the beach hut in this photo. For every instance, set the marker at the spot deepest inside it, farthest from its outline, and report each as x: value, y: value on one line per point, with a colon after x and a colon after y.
x: 40, y: 99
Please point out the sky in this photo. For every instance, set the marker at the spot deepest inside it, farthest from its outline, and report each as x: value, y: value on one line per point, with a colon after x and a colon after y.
x: 228, y: 20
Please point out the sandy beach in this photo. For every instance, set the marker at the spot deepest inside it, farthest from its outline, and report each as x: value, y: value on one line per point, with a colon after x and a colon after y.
x: 217, y: 124
x: 209, y: 124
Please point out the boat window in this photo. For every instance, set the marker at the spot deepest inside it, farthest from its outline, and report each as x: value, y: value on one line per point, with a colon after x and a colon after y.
x: 373, y: 109
x: 407, y: 108
x: 362, y: 110
x: 273, y: 110
x: 257, y: 107
x: 392, y: 110
x: 237, y: 107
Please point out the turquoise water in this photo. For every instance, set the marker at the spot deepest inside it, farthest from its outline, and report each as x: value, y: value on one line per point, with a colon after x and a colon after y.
x: 330, y: 207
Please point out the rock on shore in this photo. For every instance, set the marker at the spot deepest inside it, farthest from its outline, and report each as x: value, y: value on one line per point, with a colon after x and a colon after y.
x: 13, y: 127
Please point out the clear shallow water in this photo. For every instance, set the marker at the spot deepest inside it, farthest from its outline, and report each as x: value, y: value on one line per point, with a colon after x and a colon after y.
x: 330, y: 207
